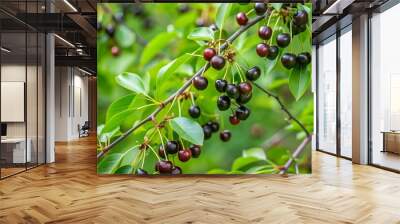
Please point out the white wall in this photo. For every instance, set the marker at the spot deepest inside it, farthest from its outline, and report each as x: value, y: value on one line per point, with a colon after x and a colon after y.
x: 71, y: 102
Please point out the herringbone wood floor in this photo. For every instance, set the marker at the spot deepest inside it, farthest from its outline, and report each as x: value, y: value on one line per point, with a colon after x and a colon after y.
x: 69, y: 191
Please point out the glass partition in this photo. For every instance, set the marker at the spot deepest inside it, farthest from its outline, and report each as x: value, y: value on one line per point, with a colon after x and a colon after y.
x: 22, y: 77
x: 346, y: 92
x: 327, y: 95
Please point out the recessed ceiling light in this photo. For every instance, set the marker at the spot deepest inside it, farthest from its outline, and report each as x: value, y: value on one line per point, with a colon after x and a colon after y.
x: 64, y: 40
x: 5, y: 50
x: 70, y: 5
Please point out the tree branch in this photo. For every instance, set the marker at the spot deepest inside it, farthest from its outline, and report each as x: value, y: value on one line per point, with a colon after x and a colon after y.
x: 232, y: 38
x: 295, y: 154
x: 283, y: 107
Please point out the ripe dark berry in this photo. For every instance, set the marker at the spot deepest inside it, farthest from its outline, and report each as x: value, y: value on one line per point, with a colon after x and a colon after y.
x: 184, y: 155
x: 194, y: 111
x: 172, y: 147
x: 288, y: 60
x: 225, y: 135
x: 262, y: 49
x: 200, y: 82
x: 232, y: 91
x: 303, y: 58
x: 242, y: 112
x: 99, y: 26
x: 110, y: 30
x: 272, y: 52
x: 298, y: 29
x: 115, y: 51
x: 217, y: 62
x: 214, y: 126
x: 245, y: 87
x: 300, y: 18
x: 141, y: 172
x: 221, y: 85
x: 283, y: 39
x: 207, y: 131
x: 208, y: 53
x: 184, y: 8
x: 253, y: 73
x: 265, y: 32
x: 260, y: 8
x: 164, y: 166
x: 241, y: 18
x: 223, y: 103
x: 176, y: 170
x: 161, y: 152
x: 244, y: 98
x: 233, y: 119
x: 196, y: 150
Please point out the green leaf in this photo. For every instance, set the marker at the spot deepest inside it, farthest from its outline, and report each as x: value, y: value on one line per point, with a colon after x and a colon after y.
x: 277, y: 6
x: 124, y: 170
x: 171, y: 67
x: 201, y: 33
x: 155, y: 45
x: 217, y: 171
x: 242, y: 162
x: 124, y: 36
x: 109, y: 164
x: 222, y: 13
x: 188, y: 130
x: 299, y: 81
x: 256, y: 169
x: 117, y: 120
x: 119, y: 105
x: 133, y: 82
x: 255, y: 152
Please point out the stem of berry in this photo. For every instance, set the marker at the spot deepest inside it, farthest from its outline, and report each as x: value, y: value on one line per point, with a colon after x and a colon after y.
x: 283, y: 108
x: 232, y: 38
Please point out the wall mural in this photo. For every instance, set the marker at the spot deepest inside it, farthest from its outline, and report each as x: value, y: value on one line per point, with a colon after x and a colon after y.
x: 191, y: 88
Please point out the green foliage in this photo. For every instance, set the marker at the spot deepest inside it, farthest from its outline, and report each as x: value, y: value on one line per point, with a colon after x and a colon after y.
x: 154, y: 62
x: 188, y: 130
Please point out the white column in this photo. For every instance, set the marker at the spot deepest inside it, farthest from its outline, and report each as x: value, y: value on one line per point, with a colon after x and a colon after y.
x: 360, y: 90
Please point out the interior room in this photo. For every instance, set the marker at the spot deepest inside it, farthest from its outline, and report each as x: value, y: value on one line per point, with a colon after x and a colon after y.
x: 385, y: 87
x: 22, y: 98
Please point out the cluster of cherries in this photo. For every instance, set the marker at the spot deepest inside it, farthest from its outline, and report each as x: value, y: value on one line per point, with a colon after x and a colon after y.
x: 298, y: 25
x: 171, y: 148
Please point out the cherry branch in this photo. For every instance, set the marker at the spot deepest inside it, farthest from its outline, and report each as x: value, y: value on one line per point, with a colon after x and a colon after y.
x: 302, y: 145
x: 283, y: 108
x: 162, y: 105
x: 295, y: 154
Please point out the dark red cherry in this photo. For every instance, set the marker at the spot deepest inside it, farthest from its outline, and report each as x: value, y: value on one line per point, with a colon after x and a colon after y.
x: 262, y: 49
x: 184, y: 155
x: 241, y: 18
x: 164, y: 167
x: 225, y: 135
x: 208, y: 53
x: 196, y: 151
x: 200, y: 82
x: 265, y: 32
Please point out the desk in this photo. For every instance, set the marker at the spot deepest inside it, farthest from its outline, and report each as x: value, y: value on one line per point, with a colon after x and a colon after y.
x: 391, y: 141
x: 13, y: 150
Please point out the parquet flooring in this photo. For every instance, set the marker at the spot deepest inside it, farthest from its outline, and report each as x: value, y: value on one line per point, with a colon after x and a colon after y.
x: 69, y: 191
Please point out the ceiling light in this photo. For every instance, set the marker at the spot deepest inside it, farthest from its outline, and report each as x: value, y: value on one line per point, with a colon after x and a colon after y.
x: 65, y: 41
x: 70, y: 5
x: 5, y: 50
x: 338, y: 6
x: 84, y: 71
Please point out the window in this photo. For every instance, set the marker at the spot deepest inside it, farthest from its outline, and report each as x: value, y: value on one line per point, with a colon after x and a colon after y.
x: 385, y: 89
x: 327, y: 95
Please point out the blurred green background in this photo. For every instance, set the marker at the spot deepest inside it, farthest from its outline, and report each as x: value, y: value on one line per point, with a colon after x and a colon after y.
x: 147, y: 37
